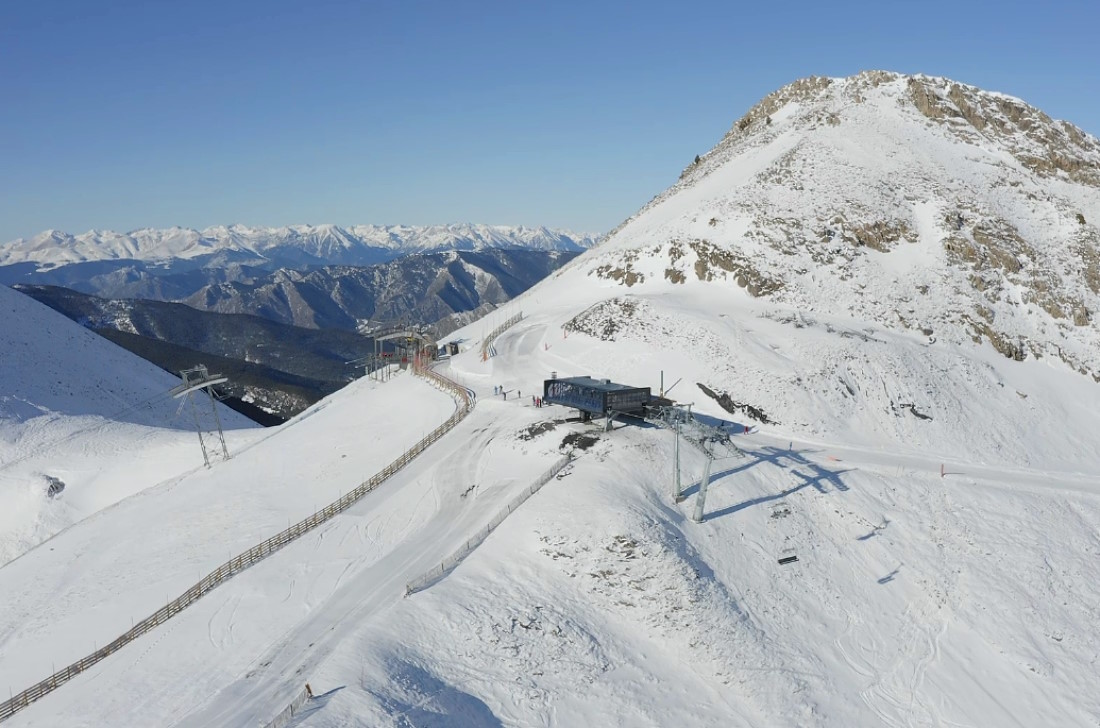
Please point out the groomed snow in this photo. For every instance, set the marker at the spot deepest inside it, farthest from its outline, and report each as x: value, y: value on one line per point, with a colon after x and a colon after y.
x: 916, y: 599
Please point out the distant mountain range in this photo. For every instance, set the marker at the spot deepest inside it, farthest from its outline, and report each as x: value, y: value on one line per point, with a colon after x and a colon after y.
x: 283, y: 337
x: 177, y: 263
x: 422, y: 289
x: 130, y: 287
x: 278, y: 247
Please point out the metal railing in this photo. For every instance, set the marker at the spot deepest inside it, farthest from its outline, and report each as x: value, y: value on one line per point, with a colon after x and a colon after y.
x: 430, y: 577
x: 487, y: 348
x: 257, y: 553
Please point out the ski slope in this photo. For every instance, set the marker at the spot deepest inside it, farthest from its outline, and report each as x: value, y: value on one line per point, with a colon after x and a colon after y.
x: 77, y: 408
x: 916, y: 600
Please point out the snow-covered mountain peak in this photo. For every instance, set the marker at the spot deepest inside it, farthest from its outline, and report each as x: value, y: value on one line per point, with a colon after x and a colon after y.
x: 915, y: 202
x: 1044, y: 145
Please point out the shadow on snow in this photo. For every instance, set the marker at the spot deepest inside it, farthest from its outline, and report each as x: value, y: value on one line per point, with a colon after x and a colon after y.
x: 821, y: 478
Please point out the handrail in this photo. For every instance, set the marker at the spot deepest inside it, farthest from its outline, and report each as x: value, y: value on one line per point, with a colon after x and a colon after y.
x: 255, y: 554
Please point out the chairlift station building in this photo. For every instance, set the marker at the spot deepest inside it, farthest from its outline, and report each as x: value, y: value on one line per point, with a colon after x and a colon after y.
x: 596, y: 397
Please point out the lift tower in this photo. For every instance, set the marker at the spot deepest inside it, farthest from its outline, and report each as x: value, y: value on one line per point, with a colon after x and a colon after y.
x: 714, y: 442
x: 198, y: 379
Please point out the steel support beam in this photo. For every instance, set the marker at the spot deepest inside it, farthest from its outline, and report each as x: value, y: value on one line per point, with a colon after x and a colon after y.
x: 701, y: 499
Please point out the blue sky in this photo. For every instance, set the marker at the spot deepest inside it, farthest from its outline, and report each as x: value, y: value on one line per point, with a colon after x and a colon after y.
x: 122, y: 114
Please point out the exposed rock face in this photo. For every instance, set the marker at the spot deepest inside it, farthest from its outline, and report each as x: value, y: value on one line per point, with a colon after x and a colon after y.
x: 605, y: 319
x: 1037, y: 141
x: 912, y: 201
x: 733, y: 407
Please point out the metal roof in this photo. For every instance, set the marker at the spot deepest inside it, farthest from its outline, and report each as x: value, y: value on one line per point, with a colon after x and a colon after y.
x: 602, y: 385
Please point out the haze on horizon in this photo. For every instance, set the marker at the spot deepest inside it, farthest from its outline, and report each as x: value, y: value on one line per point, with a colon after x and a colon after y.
x: 133, y: 114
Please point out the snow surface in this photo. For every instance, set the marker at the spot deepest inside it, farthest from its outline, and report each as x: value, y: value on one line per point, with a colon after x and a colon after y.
x: 969, y: 598
x: 75, y: 407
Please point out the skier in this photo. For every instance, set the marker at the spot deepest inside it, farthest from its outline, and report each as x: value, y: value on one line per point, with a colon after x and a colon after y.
x: 533, y: 403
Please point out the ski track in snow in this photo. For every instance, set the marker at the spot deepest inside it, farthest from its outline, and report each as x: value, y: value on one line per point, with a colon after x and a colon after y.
x: 220, y: 625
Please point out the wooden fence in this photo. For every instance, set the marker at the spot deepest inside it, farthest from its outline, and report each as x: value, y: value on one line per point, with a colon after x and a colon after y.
x: 257, y: 553
x: 487, y: 348
x: 436, y: 573
x: 282, y: 720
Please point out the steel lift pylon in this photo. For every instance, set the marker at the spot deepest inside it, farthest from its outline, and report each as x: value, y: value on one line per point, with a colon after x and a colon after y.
x: 199, y: 379
x: 714, y: 442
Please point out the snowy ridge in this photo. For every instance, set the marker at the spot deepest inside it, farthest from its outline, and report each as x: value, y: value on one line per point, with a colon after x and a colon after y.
x: 53, y: 365
x: 317, y: 242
